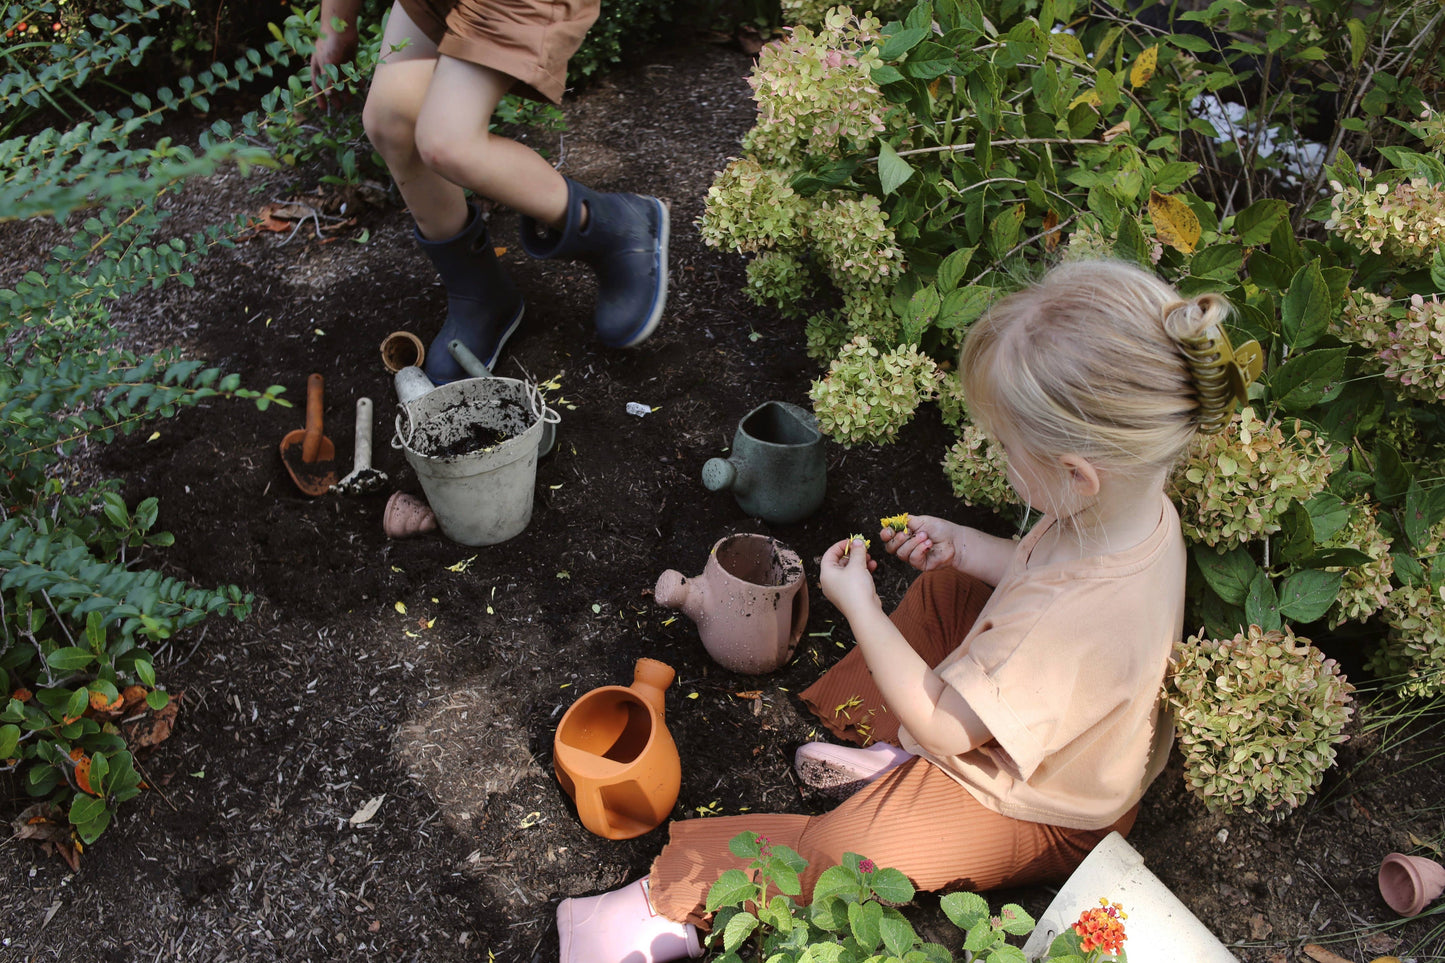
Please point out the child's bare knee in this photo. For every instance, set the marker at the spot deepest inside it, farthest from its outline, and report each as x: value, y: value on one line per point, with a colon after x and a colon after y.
x: 444, y: 150
x: 390, y: 130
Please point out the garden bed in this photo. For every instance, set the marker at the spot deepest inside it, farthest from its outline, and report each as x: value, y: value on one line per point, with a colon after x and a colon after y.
x: 431, y: 676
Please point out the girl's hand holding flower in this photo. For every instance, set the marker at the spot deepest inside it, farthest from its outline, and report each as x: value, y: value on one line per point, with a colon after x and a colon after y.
x: 925, y: 543
x: 846, y: 577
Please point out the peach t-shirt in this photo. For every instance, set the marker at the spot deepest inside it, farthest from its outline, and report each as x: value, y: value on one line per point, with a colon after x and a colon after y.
x: 1065, y: 666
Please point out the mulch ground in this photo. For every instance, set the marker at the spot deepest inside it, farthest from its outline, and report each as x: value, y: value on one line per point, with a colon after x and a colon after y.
x: 363, y: 768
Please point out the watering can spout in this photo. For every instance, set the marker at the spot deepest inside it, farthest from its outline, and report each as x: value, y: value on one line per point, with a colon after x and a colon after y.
x: 650, y: 679
x: 720, y: 475
x: 675, y: 592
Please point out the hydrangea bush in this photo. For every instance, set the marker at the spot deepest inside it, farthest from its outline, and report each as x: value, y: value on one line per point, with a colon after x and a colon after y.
x: 904, y: 174
x: 1259, y: 716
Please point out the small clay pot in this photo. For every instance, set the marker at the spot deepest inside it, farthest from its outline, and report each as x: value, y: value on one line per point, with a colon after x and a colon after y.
x: 407, y: 515
x: 1409, y: 883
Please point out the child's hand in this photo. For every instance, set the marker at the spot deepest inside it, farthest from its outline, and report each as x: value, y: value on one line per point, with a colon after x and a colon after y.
x: 846, y: 577
x: 928, y: 542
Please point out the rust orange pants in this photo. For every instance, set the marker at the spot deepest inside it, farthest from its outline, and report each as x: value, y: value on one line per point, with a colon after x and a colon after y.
x: 915, y: 818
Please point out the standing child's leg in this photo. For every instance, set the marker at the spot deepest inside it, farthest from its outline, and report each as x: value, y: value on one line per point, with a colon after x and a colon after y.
x: 483, y: 307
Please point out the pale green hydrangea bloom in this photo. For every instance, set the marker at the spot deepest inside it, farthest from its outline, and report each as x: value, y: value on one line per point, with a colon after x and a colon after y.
x: 815, y: 91
x: 1257, y: 718
x: 1364, y: 588
x: 1237, y: 484
x: 868, y: 395
x: 1404, y: 221
x: 976, y: 468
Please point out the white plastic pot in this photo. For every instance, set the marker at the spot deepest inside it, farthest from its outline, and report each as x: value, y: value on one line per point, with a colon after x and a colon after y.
x: 481, y: 496
x: 1160, y: 929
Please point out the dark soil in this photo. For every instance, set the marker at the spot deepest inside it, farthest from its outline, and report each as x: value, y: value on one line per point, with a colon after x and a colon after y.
x: 431, y: 676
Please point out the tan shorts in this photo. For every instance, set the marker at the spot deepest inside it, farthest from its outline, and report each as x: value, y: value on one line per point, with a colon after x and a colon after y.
x: 531, y: 40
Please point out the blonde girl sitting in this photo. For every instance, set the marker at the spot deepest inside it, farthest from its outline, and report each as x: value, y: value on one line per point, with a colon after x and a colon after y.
x: 1007, y: 715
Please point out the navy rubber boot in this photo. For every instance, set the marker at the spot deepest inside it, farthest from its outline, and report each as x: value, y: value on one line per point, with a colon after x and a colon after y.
x: 483, y: 306
x: 625, y: 242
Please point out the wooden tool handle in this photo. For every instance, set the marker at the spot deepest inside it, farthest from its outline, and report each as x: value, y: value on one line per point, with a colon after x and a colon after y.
x: 311, y: 445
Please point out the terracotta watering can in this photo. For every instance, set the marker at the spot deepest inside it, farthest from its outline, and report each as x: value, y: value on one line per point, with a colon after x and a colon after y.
x: 614, y: 756
x: 777, y: 469
x: 750, y: 603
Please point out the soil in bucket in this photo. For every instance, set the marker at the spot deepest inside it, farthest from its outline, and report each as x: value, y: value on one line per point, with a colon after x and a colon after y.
x: 458, y: 430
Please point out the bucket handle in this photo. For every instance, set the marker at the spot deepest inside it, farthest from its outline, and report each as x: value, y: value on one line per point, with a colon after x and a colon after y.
x: 403, y: 437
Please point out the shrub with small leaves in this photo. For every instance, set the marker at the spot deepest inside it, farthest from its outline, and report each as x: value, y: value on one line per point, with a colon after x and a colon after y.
x: 1237, y: 484
x: 1257, y: 719
x: 868, y: 395
x: 1412, y: 656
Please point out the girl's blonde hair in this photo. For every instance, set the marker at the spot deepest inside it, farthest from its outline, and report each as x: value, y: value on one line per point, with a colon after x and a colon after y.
x: 1089, y: 361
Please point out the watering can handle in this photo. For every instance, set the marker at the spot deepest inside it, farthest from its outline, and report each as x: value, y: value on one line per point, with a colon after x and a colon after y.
x: 591, y: 812
x: 311, y: 444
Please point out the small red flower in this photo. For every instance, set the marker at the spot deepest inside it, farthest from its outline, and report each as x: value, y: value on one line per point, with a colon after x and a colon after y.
x: 866, y: 865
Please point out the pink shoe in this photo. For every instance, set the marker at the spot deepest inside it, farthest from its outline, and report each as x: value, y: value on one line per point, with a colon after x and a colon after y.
x: 840, y: 771
x: 622, y: 927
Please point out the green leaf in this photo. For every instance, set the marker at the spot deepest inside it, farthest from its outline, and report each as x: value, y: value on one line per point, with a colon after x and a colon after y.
x: 864, y: 920
x: 1230, y: 574
x: 1306, y: 310
x: 1221, y: 261
x: 9, y: 739
x: 1007, y: 953
x: 70, y: 659
x: 1261, y: 607
x: 898, y: 935
x: 1256, y: 223
x: 1329, y: 514
x: 962, y: 306
x: 733, y: 888
x: 1307, y: 595
x: 1016, y: 919
x: 1392, y: 476
x: 745, y: 846
x: 1309, y: 378
x: 1415, y: 519
x: 898, y: 44
x: 891, y: 886
x: 739, y: 928
x: 892, y: 169
x: 964, y: 910
x: 89, y: 816
x: 953, y: 268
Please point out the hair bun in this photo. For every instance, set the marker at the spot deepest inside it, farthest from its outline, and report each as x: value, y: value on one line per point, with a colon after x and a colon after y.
x: 1222, y: 373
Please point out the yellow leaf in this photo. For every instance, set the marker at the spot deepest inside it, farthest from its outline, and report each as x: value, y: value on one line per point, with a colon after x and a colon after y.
x: 463, y: 565
x: 397, y: 568
x: 1144, y: 66
x: 153, y: 437
x: 692, y: 695
x: 1174, y: 223
x: 400, y: 607
x: 429, y: 623
x: 1090, y: 97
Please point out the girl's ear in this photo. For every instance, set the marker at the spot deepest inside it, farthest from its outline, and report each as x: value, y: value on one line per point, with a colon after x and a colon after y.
x: 1083, y: 476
